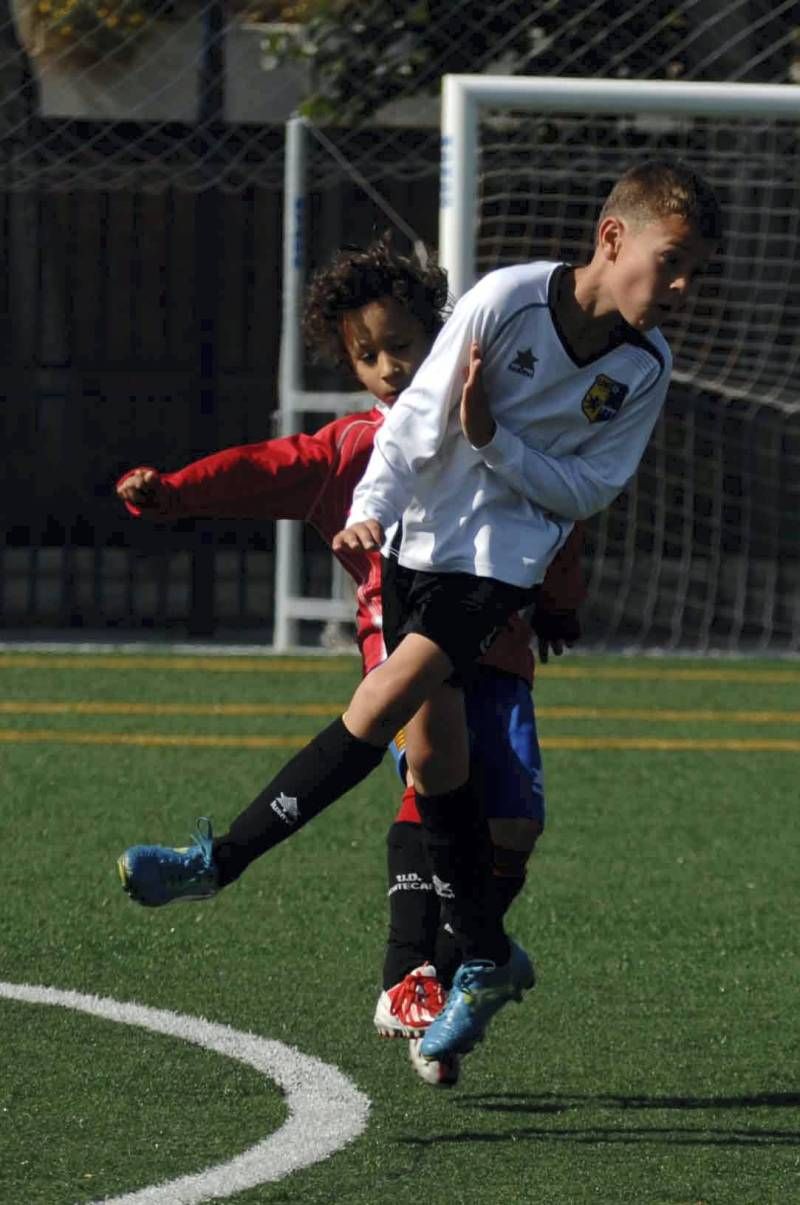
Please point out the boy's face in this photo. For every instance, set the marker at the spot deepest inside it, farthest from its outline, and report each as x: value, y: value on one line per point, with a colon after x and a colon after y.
x: 653, y: 266
x: 386, y: 345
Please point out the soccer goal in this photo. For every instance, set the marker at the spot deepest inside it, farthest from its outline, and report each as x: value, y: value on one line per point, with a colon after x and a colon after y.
x: 702, y: 551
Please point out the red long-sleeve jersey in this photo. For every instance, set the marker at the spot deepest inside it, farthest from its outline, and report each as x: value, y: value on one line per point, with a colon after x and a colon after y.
x: 312, y: 478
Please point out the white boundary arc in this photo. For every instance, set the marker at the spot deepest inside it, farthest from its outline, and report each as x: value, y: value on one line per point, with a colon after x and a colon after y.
x: 326, y: 1111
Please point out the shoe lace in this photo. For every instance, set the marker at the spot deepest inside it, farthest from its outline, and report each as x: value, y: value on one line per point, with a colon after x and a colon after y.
x: 420, y: 989
x: 202, y: 840
x: 472, y: 978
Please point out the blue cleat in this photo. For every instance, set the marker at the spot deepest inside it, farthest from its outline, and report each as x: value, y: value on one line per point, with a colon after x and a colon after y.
x: 480, y: 989
x: 156, y: 874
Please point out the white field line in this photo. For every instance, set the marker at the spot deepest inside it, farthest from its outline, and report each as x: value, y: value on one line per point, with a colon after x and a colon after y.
x: 326, y: 1111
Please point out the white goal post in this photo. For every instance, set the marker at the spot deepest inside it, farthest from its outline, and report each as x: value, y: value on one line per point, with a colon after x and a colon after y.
x: 291, y: 605
x: 700, y: 552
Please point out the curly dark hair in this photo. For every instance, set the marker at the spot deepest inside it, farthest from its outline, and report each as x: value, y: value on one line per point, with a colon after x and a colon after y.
x: 358, y: 275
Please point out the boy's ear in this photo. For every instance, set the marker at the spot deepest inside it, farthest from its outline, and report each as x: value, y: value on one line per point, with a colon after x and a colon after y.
x: 609, y: 237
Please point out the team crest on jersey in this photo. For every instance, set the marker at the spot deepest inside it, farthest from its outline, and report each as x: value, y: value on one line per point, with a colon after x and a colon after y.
x: 524, y: 362
x: 603, y: 398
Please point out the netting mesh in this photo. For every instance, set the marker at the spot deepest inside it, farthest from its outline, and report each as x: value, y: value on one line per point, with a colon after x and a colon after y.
x: 153, y: 93
x: 702, y: 550
x: 127, y: 97
x: 541, y: 183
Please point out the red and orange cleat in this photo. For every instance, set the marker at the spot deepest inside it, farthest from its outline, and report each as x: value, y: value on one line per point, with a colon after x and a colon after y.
x: 407, y: 1009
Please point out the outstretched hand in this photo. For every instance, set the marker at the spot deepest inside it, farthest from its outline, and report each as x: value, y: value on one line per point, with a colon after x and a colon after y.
x: 476, y: 417
x: 555, y: 632
x: 144, y: 489
x: 361, y: 537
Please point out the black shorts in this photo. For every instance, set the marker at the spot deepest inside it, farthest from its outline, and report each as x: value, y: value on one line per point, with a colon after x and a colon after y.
x: 458, y: 611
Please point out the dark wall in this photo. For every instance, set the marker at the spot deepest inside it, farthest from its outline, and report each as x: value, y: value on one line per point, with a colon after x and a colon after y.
x: 140, y: 328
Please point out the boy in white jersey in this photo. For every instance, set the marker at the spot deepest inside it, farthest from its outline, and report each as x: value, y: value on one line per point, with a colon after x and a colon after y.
x: 487, y: 489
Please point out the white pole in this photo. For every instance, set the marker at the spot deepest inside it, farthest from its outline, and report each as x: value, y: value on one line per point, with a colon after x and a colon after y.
x: 294, y: 198
x: 458, y: 185
x: 287, y: 534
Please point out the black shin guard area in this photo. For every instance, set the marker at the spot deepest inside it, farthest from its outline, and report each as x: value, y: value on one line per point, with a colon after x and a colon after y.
x: 413, y: 903
x: 506, y: 890
x: 333, y: 763
x: 509, y: 871
x: 459, y: 850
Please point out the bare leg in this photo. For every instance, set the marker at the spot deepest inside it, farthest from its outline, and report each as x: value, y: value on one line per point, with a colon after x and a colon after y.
x: 387, y: 698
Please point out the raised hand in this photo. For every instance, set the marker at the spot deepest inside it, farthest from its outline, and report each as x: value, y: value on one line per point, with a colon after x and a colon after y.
x: 476, y: 418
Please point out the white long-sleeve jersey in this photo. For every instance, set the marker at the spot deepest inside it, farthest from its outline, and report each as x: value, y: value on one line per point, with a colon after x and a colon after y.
x: 568, y: 437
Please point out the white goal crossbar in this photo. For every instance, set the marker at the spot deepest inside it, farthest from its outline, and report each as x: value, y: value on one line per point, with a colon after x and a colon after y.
x: 465, y: 96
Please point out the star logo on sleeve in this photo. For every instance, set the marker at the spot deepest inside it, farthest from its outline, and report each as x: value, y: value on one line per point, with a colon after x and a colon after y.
x: 523, y: 362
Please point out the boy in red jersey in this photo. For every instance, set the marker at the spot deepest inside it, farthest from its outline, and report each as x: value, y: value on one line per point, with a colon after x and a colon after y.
x: 378, y: 313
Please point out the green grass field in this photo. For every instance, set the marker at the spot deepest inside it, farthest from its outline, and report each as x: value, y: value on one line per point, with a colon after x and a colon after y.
x: 656, y: 1063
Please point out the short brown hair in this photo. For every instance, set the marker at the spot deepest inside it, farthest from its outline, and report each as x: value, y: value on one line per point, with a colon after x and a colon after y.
x: 358, y: 275
x: 662, y: 188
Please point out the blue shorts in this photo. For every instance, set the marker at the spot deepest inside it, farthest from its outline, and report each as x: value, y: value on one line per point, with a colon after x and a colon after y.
x: 503, y: 744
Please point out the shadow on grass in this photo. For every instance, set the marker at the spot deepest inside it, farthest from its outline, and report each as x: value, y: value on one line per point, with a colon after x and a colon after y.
x: 521, y: 1103
x: 527, y: 1102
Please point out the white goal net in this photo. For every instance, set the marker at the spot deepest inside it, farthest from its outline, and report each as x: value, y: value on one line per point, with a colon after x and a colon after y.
x: 702, y: 551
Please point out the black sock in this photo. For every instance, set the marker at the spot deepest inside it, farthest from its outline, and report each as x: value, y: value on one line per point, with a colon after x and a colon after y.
x: 506, y: 890
x: 447, y: 956
x: 413, y: 903
x: 459, y: 850
x: 509, y: 871
x: 508, y: 879
x: 328, y: 767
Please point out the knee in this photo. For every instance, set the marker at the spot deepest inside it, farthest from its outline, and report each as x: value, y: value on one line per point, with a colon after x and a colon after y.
x: 436, y: 770
x: 517, y: 835
x: 378, y: 709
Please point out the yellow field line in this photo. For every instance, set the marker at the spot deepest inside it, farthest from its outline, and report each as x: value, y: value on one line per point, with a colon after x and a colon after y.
x: 670, y: 715
x: 645, y: 714
x: 185, y: 740
x: 179, y: 740
x: 260, y: 665
x: 746, y: 744
x: 302, y: 665
x: 780, y: 677
x: 9, y: 707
